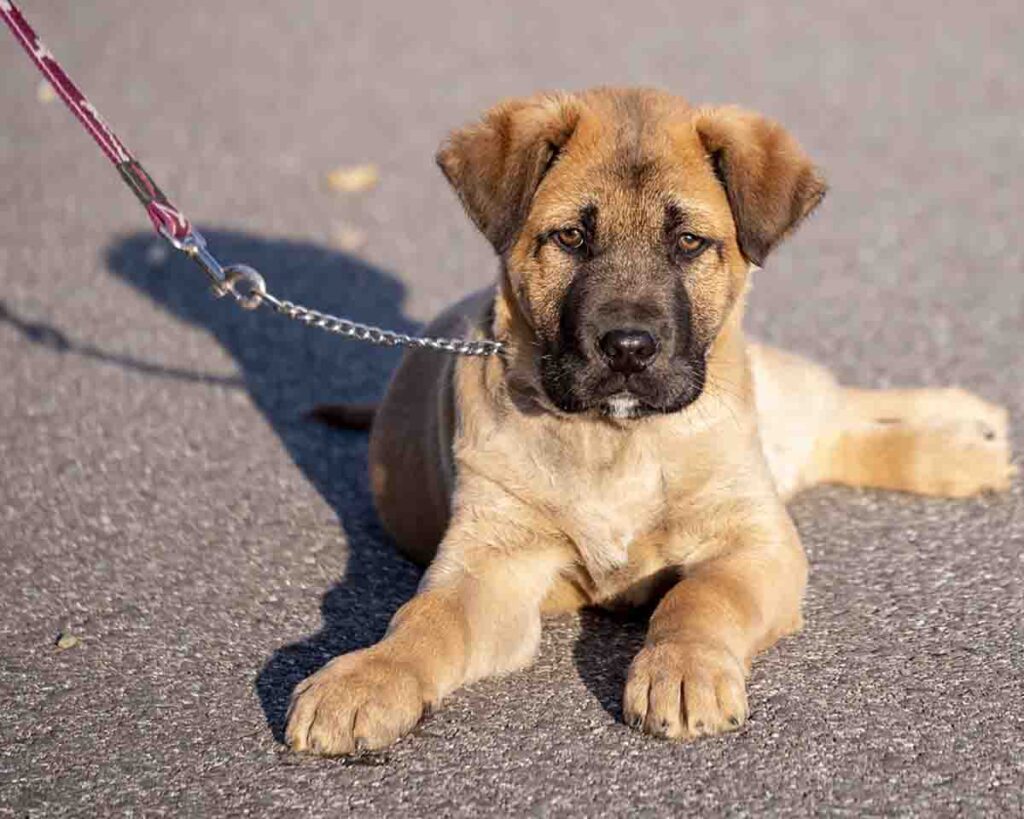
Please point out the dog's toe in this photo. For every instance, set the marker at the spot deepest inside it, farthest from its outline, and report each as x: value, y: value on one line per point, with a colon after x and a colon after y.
x: 684, y: 691
x: 356, y: 703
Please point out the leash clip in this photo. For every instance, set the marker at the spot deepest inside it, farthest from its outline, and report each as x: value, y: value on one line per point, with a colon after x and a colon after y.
x: 241, y: 281
x: 246, y: 285
x: 193, y: 245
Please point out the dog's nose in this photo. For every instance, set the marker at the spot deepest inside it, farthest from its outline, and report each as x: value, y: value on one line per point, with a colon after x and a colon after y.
x: 628, y: 350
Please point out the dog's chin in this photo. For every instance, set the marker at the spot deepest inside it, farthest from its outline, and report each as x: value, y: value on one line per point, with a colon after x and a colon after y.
x: 627, y: 406
x: 624, y: 406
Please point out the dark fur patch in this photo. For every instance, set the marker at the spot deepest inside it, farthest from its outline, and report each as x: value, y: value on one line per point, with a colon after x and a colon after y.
x: 674, y: 219
x: 588, y: 221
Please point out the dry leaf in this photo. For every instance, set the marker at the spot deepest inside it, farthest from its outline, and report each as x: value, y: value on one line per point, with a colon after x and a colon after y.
x: 352, y: 179
x: 348, y: 237
x: 66, y: 641
x: 45, y: 92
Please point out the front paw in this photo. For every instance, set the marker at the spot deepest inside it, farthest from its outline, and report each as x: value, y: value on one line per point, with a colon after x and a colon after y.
x: 685, y: 690
x: 357, y: 702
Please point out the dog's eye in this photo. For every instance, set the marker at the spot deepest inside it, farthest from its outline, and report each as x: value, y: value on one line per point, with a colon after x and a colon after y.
x: 690, y: 244
x: 569, y: 238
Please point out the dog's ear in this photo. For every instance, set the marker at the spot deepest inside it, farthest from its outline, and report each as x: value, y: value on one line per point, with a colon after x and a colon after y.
x: 770, y: 182
x: 497, y: 164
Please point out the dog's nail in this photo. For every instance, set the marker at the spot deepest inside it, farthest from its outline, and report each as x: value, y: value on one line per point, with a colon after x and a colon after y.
x: 361, y: 746
x: 734, y: 721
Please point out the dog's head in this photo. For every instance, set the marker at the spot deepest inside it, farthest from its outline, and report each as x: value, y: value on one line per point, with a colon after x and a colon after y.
x: 627, y: 222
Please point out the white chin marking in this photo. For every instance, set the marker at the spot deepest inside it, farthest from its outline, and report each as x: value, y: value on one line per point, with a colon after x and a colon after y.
x: 622, y: 406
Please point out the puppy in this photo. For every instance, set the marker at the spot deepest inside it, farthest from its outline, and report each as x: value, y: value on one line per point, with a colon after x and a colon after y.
x: 629, y: 444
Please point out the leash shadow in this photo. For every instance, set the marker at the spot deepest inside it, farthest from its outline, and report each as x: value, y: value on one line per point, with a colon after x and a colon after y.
x: 52, y: 337
x: 287, y: 369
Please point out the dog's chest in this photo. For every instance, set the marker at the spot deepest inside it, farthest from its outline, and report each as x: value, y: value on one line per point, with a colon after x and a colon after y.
x: 606, y: 501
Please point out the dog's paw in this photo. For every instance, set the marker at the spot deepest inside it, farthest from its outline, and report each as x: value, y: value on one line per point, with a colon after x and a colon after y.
x: 947, y: 442
x: 357, y: 702
x: 685, y: 690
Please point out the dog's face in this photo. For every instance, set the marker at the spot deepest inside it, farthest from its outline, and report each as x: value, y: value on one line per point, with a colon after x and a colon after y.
x: 627, y: 222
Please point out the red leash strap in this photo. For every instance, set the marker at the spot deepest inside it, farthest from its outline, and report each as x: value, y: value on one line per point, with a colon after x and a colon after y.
x: 167, y: 219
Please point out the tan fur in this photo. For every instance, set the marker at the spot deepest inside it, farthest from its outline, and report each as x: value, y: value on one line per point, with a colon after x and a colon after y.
x: 521, y: 509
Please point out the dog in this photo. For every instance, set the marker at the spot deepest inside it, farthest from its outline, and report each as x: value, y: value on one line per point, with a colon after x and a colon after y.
x: 629, y: 446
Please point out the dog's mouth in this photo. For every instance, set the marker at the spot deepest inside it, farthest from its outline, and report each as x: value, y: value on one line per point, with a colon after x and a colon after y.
x: 634, y: 402
x: 624, y: 397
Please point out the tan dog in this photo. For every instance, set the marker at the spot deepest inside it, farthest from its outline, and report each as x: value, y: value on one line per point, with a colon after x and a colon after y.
x: 629, y: 444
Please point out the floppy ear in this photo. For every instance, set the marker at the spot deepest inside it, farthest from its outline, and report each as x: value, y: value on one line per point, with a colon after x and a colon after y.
x: 771, y: 183
x: 497, y: 164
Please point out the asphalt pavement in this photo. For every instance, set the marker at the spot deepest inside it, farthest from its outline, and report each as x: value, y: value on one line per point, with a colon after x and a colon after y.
x: 201, y: 546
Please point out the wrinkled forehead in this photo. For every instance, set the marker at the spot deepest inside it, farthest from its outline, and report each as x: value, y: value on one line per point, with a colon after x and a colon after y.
x: 635, y: 170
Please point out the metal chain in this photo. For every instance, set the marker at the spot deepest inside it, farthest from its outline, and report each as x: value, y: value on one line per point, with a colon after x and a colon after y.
x: 376, y: 335
x: 250, y: 290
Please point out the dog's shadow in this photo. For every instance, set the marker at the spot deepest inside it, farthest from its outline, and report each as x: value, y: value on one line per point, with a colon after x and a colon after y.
x: 287, y: 369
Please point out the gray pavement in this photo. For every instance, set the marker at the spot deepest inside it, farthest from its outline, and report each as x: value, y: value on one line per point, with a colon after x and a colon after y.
x: 163, y: 499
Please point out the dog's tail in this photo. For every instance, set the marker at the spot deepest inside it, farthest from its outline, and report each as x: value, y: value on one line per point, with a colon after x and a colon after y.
x: 344, y: 416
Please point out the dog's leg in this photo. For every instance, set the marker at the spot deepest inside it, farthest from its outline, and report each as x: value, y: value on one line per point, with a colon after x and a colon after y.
x: 944, y: 442
x: 477, y: 613
x: 689, y: 679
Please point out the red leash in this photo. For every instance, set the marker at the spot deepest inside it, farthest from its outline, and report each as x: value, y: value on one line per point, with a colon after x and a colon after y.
x: 166, y: 218
x: 244, y: 283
